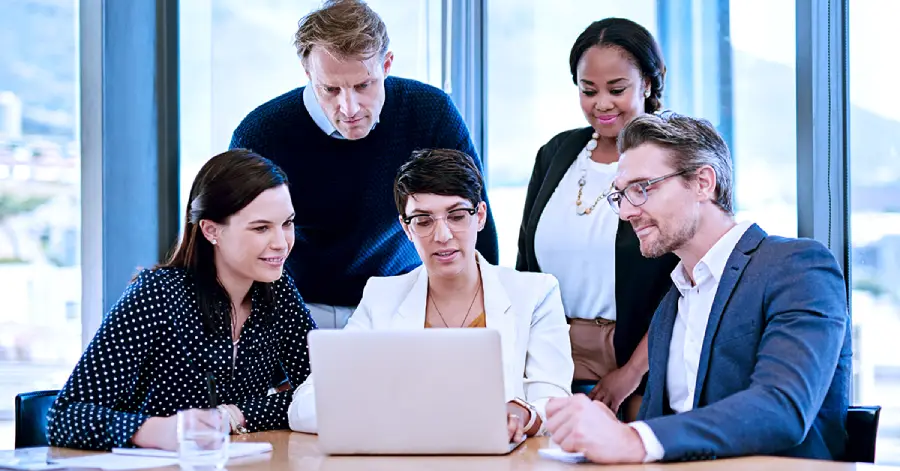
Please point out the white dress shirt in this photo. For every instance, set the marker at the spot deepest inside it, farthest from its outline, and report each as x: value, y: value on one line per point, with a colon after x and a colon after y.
x: 569, y: 246
x: 690, y: 329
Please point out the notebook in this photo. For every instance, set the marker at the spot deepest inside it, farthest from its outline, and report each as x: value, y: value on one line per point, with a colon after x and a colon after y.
x: 235, y: 450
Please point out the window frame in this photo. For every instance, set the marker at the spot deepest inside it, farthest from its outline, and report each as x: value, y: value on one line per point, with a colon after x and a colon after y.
x: 128, y: 63
x: 124, y: 57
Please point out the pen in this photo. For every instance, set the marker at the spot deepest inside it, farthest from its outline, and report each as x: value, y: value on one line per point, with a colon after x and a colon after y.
x: 211, y: 388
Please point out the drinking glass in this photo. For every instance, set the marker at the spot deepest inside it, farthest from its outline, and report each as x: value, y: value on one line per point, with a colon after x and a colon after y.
x: 203, y: 438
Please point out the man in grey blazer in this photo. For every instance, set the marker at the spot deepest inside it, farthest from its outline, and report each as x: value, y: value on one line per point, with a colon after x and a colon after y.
x: 750, y: 350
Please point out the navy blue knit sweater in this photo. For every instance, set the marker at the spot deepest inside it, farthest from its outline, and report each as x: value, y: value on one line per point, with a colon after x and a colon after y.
x: 347, y: 223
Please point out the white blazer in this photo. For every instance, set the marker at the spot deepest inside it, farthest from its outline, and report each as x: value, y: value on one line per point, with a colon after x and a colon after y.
x: 526, y: 308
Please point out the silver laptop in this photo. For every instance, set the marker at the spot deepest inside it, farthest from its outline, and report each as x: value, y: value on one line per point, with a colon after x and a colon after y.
x: 422, y: 392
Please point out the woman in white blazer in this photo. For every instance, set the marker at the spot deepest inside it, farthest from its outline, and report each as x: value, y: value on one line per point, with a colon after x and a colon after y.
x: 437, y: 195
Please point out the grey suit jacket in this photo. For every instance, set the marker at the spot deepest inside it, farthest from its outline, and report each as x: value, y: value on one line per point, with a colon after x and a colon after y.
x: 775, y: 365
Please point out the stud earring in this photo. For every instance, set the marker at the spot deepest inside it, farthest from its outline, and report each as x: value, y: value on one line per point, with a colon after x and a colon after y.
x: 214, y: 242
x: 647, y: 93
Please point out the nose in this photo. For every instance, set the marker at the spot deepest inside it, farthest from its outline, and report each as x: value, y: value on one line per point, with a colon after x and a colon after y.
x: 278, y: 240
x: 604, y: 102
x: 349, y: 104
x: 442, y: 231
x: 628, y: 211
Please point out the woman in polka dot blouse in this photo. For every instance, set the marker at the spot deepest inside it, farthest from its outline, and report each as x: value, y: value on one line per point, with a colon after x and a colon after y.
x: 218, y: 309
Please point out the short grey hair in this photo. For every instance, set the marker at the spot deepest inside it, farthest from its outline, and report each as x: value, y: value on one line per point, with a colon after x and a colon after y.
x: 692, y: 143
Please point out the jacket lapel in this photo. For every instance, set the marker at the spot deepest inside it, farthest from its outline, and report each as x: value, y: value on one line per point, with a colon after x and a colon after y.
x: 411, y: 312
x: 567, y: 153
x: 734, y: 268
x: 498, y: 316
x: 658, y: 353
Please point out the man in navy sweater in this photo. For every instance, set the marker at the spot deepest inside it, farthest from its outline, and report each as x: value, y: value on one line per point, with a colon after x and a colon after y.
x: 341, y: 140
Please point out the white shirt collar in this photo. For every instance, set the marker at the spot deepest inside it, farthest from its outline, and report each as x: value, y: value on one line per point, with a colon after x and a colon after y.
x: 712, y: 265
x: 318, y: 114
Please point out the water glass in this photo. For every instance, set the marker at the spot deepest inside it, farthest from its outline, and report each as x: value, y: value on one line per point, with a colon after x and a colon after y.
x: 203, y: 437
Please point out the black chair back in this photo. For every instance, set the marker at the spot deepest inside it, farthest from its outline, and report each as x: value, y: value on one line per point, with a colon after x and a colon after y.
x: 862, y: 431
x: 31, y: 417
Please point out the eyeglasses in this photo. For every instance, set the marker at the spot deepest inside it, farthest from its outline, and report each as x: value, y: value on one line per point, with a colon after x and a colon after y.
x: 457, y: 220
x: 636, y: 193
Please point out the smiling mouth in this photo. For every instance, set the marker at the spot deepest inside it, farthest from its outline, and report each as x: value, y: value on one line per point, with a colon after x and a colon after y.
x: 273, y: 260
x: 607, y: 119
x: 643, y: 230
x: 446, y: 253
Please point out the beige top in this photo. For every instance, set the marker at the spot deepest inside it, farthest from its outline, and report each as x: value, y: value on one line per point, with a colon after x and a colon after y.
x: 480, y: 321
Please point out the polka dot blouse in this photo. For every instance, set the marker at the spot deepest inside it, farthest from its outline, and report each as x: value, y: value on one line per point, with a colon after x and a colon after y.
x: 151, y: 355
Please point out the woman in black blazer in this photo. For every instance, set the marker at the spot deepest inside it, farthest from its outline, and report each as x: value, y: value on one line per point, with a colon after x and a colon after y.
x: 609, y: 290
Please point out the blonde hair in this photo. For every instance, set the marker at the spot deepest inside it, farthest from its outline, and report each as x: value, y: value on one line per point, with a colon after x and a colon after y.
x: 345, y: 29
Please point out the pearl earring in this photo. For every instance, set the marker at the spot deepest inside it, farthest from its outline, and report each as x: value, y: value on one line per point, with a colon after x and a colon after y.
x: 214, y: 242
x: 646, y: 93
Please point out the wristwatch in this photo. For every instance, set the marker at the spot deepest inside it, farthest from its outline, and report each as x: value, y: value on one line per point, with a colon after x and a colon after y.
x: 533, y: 414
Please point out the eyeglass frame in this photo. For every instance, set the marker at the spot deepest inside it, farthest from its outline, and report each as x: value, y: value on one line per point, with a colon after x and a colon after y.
x: 408, y: 219
x: 643, y: 185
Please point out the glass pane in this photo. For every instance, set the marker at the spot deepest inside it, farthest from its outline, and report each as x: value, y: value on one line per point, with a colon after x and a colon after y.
x: 764, y: 115
x: 719, y: 68
x: 237, y: 55
x: 875, y: 216
x: 530, y: 94
x: 40, y: 200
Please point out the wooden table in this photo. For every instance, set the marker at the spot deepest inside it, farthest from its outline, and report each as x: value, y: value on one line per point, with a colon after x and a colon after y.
x: 297, y: 451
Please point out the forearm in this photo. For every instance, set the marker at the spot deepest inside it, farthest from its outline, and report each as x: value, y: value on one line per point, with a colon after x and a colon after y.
x: 266, y: 413
x: 757, y: 421
x: 91, y: 427
x: 639, y: 363
x: 525, y: 415
x: 302, y: 411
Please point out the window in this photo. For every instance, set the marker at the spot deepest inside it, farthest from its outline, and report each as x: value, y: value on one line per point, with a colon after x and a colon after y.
x: 40, y: 222
x: 237, y: 55
x: 715, y: 59
x: 762, y: 133
x: 875, y: 216
x: 530, y: 95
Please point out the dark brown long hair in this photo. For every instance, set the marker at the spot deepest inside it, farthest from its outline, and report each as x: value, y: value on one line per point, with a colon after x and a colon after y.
x: 226, y: 184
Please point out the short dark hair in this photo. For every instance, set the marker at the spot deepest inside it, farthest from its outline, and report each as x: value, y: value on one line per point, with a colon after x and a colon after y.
x: 445, y: 172
x: 635, y: 40
x: 226, y: 184
x: 692, y: 143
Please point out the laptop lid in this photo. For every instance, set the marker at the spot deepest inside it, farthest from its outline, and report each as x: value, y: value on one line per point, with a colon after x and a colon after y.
x: 429, y: 391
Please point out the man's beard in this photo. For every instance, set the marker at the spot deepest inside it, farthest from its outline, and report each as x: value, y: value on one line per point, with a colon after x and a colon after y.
x: 666, y: 242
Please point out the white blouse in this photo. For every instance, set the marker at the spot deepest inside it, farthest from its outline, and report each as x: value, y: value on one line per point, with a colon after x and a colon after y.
x: 579, y: 250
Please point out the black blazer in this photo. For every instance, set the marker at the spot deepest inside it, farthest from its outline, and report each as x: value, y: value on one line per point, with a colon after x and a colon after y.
x: 640, y: 282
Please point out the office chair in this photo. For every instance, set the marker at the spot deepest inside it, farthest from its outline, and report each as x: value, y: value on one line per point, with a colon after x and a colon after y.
x: 862, y: 431
x: 31, y: 417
